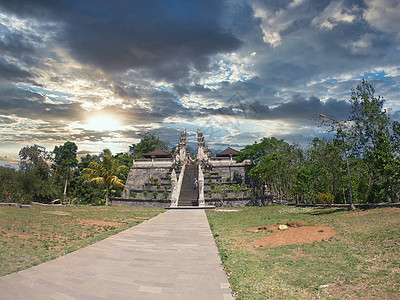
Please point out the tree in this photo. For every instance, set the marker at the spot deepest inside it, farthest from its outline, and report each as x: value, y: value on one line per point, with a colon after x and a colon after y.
x: 327, y: 166
x: 65, y: 160
x: 275, y: 164
x: 34, y: 158
x: 10, y: 185
x: 37, y: 184
x: 108, y: 172
x: 85, y: 193
x: 148, y: 143
x: 374, y: 140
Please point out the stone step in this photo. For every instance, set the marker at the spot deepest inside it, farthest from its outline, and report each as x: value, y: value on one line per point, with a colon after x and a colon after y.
x: 189, y: 195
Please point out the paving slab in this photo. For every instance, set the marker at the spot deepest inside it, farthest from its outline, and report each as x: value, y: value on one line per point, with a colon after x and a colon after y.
x: 172, y: 256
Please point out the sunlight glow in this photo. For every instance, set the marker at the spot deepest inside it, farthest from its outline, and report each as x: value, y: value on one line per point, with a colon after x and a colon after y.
x: 103, y: 123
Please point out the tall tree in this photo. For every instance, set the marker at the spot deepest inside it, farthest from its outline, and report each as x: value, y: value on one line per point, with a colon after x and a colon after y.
x: 275, y: 164
x: 36, y: 181
x: 328, y: 166
x: 34, y: 158
x: 65, y: 160
x: 148, y: 143
x: 374, y: 140
x: 108, y: 172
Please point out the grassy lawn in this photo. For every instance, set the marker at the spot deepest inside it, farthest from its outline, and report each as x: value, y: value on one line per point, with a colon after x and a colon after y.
x: 360, y: 261
x: 31, y: 236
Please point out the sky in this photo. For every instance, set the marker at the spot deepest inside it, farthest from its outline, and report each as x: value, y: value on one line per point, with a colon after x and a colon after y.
x: 100, y: 73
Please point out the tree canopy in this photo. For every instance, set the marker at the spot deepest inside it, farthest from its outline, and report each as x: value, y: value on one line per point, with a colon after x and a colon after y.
x: 108, y: 172
x: 149, y: 142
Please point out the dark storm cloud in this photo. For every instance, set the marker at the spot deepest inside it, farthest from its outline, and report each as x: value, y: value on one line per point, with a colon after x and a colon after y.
x: 26, y: 104
x: 129, y: 92
x: 298, y: 109
x: 12, y: 72
x: 302, y: 109
x: 169, y: 36
x: 14, y: 44
x: 160, y: 105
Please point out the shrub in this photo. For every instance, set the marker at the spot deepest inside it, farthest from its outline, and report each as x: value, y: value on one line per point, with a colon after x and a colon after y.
x: 155, y: 193
x: 325, y: 198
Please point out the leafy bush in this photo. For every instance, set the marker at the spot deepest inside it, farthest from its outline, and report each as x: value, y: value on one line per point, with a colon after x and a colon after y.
x: 325, y: 198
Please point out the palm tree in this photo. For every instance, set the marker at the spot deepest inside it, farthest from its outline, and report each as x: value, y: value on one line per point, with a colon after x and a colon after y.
x: 107, y: 172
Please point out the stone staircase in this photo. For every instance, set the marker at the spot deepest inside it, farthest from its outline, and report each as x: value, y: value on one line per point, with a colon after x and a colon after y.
x: 188, y: 195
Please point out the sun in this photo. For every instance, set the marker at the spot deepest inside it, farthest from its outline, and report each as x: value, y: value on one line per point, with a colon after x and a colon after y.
x: 103, y: 123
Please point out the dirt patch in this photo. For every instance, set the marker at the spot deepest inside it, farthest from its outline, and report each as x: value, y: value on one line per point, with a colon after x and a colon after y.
x: 21, y: 236
x: 56, y: 212
x: 390, y: 210
x: 89, y: 222
x: 276, y: 227
x: 360, y: 213
x: 393, y: 210
x: 297, y: 234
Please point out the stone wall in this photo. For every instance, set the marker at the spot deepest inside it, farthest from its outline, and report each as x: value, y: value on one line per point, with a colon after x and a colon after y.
x: 237, y: 202
x: 140, y: 202
x: 234, y: 173
x: 139, y: 176
x: 229, y: 202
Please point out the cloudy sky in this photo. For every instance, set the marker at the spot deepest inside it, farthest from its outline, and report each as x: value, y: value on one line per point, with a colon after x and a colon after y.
x: 99, y: 73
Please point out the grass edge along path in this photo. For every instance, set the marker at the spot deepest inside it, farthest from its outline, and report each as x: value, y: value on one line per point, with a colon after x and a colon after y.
x: 29, y: 237
x: 360, y: 262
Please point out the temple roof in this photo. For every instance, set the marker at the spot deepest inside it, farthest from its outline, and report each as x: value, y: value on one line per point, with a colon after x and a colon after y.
x: 158, y: 153
x: 228, y: 152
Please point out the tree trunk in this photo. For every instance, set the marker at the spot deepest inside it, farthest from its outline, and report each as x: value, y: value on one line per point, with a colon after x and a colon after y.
x: 344, y: 196
x: 65, y: 187
x: 107, y: 195
x: 65, y: 190
x: 392, y: 197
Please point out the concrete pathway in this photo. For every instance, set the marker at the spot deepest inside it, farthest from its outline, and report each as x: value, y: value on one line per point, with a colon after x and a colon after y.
x: 172, y: 256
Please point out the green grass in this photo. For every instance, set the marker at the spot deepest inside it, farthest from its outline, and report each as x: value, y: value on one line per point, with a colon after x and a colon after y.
x: 360, y: 262
x: 31, y: 236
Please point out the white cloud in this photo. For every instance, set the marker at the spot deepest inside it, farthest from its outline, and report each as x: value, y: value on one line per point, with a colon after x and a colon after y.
x: 271, y: 23
x: 384, y: 15
x: 296, y: 3
x: 362, y: 46
x: 333, y: 14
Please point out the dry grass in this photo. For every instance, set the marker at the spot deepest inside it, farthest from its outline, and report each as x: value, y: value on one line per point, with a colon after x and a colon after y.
x: 31, y: 236
x: 360, y: 262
